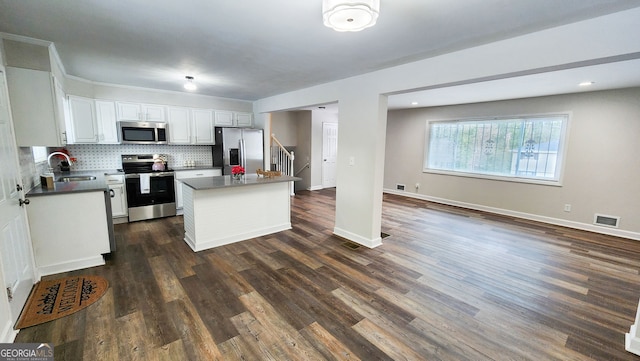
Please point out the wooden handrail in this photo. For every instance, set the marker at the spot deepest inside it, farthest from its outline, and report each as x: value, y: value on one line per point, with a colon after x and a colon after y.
x: 273, y: 137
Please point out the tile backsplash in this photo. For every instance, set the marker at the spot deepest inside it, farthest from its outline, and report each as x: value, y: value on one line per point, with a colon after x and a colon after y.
x: 107, y: 156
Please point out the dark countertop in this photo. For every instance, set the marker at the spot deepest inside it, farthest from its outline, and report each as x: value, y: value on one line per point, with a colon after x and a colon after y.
x: 224, y: 181
x: 98, y: 184
x: 197, y: 167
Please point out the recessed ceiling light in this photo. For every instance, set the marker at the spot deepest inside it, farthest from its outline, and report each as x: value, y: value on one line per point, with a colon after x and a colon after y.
x: 586, y: 83
x: 189, y: 85
x: 414, y: 103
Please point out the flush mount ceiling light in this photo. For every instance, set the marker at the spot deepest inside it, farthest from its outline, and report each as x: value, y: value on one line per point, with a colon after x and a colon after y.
x: 189, y: 85
x: 350, y: 15
x: 586, y: 83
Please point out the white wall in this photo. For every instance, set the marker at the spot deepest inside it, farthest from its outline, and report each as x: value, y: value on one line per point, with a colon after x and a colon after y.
x: 76, y: 86
x: 303, y: 150
x: 601, y: 172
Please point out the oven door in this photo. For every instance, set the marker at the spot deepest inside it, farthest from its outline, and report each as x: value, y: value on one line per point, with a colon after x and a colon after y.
x: 161, y: 190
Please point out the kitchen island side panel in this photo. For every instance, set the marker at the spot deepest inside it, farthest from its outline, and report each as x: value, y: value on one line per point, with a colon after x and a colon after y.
x: 215, y: 217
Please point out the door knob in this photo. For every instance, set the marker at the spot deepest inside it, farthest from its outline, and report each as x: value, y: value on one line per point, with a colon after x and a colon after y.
x: 23, y: 201
x: 18, y: 187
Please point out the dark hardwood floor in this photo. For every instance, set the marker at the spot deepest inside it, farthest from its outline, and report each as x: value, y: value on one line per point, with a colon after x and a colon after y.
x: 447, y: 284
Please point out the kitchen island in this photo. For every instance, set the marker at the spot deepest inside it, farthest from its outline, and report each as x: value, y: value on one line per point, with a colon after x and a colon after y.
x: 221, y: 210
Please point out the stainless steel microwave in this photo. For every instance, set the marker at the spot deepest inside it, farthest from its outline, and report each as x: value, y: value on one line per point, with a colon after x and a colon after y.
x: 142, y: 132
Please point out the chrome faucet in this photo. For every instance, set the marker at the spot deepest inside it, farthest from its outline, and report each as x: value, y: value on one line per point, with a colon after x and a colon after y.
x: 56, y: 153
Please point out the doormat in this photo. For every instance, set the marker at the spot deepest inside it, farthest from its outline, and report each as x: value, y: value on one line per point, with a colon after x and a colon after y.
x: 50, y: 300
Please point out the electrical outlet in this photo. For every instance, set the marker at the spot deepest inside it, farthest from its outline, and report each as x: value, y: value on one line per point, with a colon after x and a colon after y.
x: 567, y: 207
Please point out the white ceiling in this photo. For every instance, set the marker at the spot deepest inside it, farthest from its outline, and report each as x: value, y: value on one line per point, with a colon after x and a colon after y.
x: 251, y: 49
x: 615, y: 75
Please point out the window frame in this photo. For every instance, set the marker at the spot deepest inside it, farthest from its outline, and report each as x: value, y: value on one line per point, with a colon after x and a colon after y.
x: 39, y: 153
x: 560, y: 162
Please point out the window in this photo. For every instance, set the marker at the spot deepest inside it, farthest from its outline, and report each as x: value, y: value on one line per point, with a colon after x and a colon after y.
x: 526, y: 148
x: 39, y: 154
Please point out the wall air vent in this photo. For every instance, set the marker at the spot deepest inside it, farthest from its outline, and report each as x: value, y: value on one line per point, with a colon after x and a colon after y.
x: 400, y: 187
x: 607, y: 221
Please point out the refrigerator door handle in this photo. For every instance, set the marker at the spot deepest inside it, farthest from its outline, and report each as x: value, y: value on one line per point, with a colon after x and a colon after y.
x: 243, y: 154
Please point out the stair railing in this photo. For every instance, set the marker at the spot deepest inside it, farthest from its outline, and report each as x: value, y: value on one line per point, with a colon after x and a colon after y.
x: 282, y: 159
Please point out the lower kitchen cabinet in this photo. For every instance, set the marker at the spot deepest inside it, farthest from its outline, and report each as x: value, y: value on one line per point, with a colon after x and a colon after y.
x: 195, y: 173
x: 118, y: 194
x: 69, y: 231
x: 118, y: 200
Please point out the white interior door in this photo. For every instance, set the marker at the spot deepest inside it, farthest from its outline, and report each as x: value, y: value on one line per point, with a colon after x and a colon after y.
x: 329, y: 154
x: 16, y: 261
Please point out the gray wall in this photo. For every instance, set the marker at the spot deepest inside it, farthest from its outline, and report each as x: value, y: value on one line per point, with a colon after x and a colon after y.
x: 601, y: 171
x: 285, y: 126
x: 303, y: 130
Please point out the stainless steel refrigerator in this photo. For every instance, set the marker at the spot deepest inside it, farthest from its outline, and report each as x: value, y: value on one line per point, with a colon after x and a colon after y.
x: 238, y: 146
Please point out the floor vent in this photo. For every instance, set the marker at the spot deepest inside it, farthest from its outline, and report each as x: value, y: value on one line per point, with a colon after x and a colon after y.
x: 384, y: 235
x: 607, y: 221
x: 351, y: 245
x: 400, y: 187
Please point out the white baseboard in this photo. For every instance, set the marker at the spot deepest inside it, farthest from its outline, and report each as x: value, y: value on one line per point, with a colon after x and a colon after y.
x: 631, y: 341
x: 211, y: 243
x: 315, y: 188
x: 533, y: 217
x: 118, y: 220
x: 371, y: 243
x: 70, y: 266
x: 8, y: 334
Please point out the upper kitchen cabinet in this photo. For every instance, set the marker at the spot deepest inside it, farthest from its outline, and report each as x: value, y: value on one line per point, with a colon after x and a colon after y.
x: 107, y: 120
x: 37, y: 106
x: 140, y: 112
x: 179, y: 121
x: 225, y: 118
x: 203, y: 125
x: 243, y: 119
x: 83, y: 124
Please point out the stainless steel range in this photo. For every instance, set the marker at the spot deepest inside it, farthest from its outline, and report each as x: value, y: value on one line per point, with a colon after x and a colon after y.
x: 150, y: 186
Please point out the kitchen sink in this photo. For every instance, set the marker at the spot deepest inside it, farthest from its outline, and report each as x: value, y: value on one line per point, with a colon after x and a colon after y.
x: 76, y: 178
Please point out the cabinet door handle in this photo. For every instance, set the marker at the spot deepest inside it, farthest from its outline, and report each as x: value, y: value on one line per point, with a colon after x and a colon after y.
x: 112, y: 193
x: 18, y: 187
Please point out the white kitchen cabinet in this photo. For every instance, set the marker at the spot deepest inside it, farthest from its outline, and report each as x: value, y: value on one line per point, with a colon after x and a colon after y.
x: 107, y: 122
x: 195, y: 173
x: 203, y: 124
x: 243, y: 119
x: 69, y: 231
x: 118, y: 194
x: 82, y: 115
x: 140, y: 112
x: 224, y: 118
x: 179, y: 120
x: 118, y: 200
x: 37, y: 106
x: 153, y: 113
x: 129, y: 111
